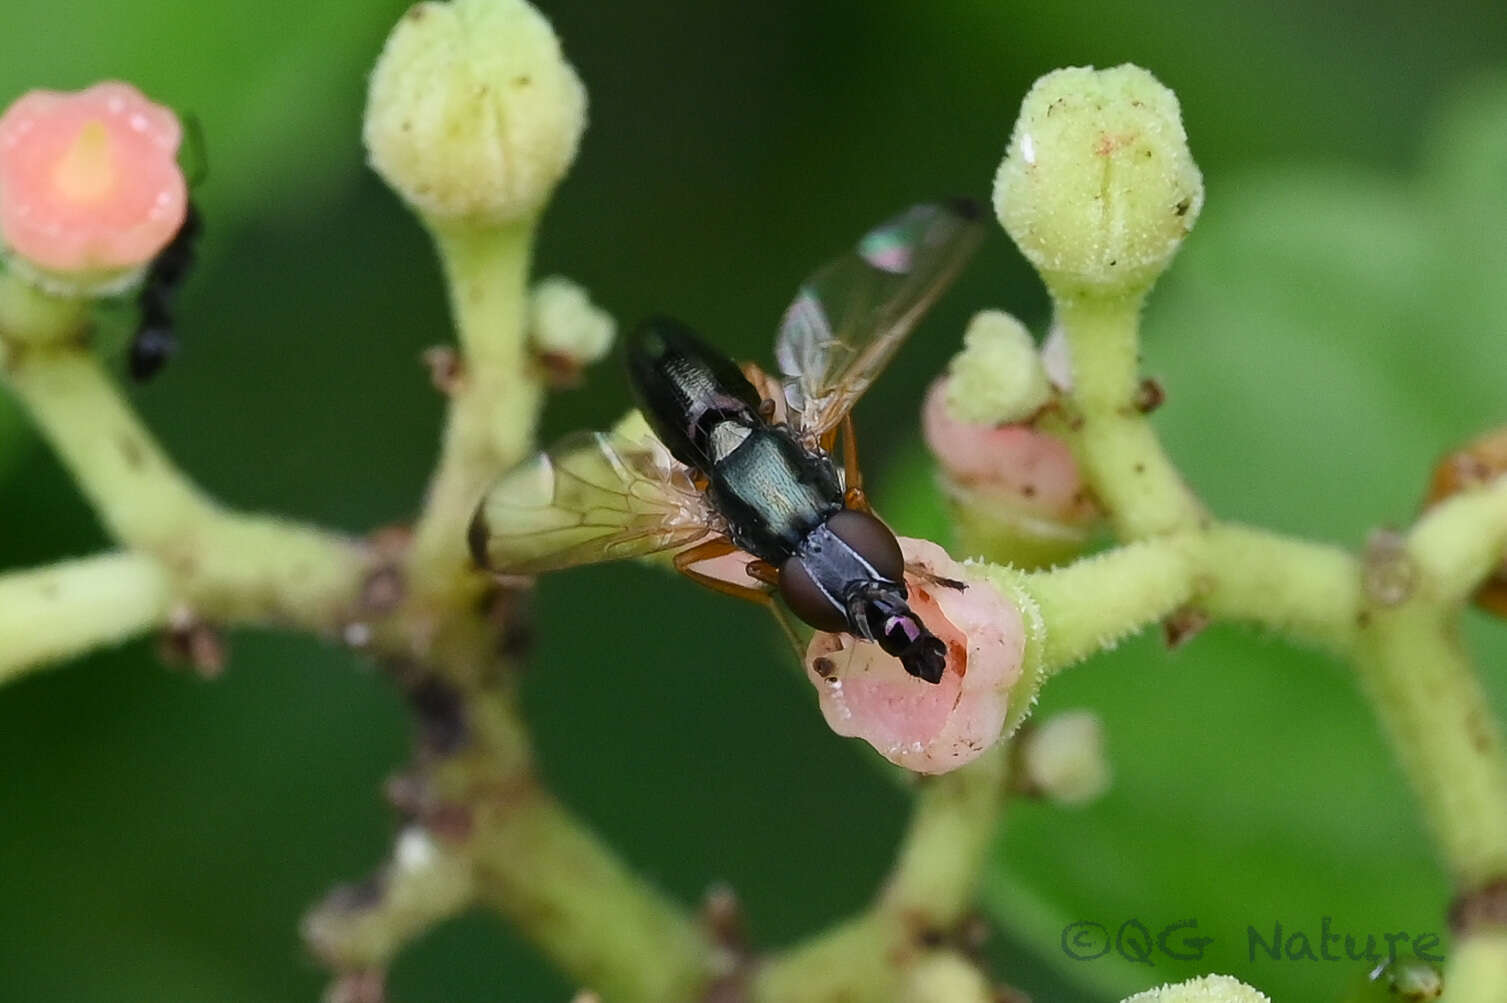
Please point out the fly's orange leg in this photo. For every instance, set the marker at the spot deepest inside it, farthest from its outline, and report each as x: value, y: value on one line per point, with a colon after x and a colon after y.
x: 853, y: 497
x: 771, y: 408
x: 764, y: 572
x: 710, y: 550
x: 760, y: 570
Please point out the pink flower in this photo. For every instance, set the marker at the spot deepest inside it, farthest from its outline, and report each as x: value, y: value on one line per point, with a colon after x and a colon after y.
x: 927, y: 727
x: 89, y: 182
x: 1017, y: 462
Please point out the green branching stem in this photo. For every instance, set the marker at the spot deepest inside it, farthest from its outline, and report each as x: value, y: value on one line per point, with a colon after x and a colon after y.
x: 936, y: 873
x: 1115, y: 444
x: 495, y: 402
x: 1477, y: 968
x: 524, y: 854
x: 226, y: 566
x: 66, y: 609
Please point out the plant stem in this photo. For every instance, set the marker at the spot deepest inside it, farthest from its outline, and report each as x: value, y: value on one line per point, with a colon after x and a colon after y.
x: 1096, y: 602
x: 574, y: 898
x: 52, y: 613
x: 1477, y: 968
x: 1296, y: 587
x: 226, y: 565
x: 936, y: 874
x: 1115, y: 444
x: 495, y: 406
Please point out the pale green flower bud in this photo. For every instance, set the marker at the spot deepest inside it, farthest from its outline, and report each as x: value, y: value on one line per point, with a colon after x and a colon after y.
x: 473, y: 114
x: 945, y: 977
x: 1098, y: 187
x: 1063, y: 757
x: 1208, y: 989
x: 566, y: 326
x: 997, y: 379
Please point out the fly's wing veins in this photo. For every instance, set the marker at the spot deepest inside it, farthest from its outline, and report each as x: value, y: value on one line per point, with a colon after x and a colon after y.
x: 591, y: 497
x: 851, y: 316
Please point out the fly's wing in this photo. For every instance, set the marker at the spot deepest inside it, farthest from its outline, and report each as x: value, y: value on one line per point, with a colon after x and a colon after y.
x: 851, y: 316
x: 591, y: 497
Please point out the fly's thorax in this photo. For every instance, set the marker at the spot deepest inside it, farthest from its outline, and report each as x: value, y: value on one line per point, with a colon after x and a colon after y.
x: 849, y: 556
x: 685, y: 387
x: 772, y: 492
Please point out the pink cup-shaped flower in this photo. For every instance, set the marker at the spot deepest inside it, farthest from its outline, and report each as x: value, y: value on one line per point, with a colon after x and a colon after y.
x: 89, y: 182
x: 1017, y: 494
x: 928, y: 727
x: 1038, y: 471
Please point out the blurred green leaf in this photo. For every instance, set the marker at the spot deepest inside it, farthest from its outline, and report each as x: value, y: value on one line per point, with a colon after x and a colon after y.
x: 1326, y: 336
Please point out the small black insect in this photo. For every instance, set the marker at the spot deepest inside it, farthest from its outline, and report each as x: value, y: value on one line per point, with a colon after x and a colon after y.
x: 740, y: 464
x: 155, y: 341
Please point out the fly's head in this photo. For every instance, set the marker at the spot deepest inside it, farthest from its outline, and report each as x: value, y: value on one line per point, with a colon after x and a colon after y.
x: 878, y: 612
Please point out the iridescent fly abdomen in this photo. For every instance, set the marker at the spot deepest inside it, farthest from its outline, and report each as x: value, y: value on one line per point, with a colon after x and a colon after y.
x: 771, y: 490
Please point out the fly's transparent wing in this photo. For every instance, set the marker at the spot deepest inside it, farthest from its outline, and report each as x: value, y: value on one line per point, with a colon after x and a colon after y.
x: 850, y: 317
x: 591, y: 497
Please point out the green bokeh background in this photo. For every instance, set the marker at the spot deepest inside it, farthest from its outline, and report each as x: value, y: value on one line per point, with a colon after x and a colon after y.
x: 1335, y: 322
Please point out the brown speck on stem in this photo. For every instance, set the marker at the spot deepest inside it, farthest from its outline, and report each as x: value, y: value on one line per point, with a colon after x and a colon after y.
x: 446, y: 371
x: 366, y: 986
x: 1149, y: 396
x: 130, y: 451
x: 722, y: 915
x: 1183, y: 625
x: 192, y: 642
x: 1388, y: 575
x: 1484, y: 906
x: 561, y: 372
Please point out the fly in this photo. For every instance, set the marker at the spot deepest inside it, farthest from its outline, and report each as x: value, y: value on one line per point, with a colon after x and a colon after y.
x: 741, y: 463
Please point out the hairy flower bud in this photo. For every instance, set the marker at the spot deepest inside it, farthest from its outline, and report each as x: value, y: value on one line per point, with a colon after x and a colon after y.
x: 998, y: 377
x: 1206, y: 989
x: 1098, y: 187
x: 473, y: 113
x: 1063, y: 757
x: 945, y: 977
x: 566, y: 326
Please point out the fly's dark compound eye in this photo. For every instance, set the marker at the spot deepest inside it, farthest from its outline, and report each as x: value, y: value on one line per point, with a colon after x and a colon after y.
x: 806, y: 599
x: 871, y: 540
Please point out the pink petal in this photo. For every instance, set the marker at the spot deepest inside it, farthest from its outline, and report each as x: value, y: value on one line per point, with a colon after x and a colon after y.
x: 1035, y: 469
x: 89, y: 181
x: 927, y: 727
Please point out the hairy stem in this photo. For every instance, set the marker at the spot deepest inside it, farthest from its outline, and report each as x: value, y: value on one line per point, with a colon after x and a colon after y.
x: 1115, y: 444
x: 1426, y: 695
x: 935, y: 877
x: 66, y: 609
x: 495, y: 404
x: 1477, y: 968
x: 1096, y: 602
x: 1296, y: 587
x: 225, y: 565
